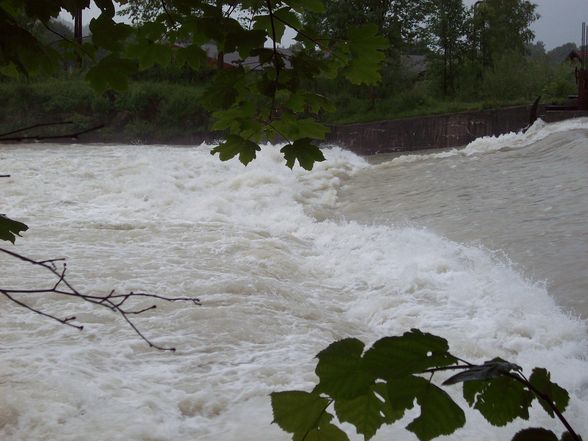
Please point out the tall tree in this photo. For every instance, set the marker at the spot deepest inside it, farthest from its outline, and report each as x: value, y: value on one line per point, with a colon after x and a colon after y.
x: 447, y: 27
x: 400, y: 21
x: 501, y: 26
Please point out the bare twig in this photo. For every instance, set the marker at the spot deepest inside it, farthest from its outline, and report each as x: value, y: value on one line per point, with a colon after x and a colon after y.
x: 35, y: 126
x: 73, y: 135
x: 114, y: 302
x: 64, y: 38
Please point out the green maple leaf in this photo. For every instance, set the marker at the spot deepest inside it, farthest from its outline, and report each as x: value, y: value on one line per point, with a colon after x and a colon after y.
x: 413, y: 352
x: 500, y: 400
x: 9, y: 228
x: 298, y: 412
x: 439, y: 415
x: 111, y: 72
x: 304, y: 151
x: 340, y: 369
x: 108, y: 34
x: 541, y: 380
x: 365, y: 412
x: 366, y: 48
x: 235, y: 145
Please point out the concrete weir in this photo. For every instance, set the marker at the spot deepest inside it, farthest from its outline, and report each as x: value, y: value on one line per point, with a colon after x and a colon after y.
x: 436, y: 131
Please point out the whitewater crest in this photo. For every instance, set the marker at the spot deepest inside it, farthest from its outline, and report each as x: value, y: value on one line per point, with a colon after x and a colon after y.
x: 280, y: 274
x: 489, y: 144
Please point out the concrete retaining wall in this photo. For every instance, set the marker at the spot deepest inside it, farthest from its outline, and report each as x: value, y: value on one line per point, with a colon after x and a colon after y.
x: 430, y: 132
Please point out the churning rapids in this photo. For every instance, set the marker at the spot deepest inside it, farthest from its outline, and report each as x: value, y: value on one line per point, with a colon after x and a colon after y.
x: 486, y: 246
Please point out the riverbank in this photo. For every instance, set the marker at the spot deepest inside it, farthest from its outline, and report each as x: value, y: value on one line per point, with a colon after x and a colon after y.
x: 437, y: 131
x: 167, y: 113
x: 395, y: 135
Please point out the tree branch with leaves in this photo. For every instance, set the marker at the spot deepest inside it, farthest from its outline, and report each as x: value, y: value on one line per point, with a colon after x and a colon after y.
x: 375, y: 387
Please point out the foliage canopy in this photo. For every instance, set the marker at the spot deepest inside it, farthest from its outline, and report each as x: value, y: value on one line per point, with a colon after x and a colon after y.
x: 250, y: 104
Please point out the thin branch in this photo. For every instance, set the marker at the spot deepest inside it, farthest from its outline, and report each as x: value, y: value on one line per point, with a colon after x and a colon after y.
x: 65, y: 321
x: 447, y: 368
x: 112, y: 301
x: 64, y: 38
x: 34, y: 126
x: 73, y: 135
x: 4, y: 176
x: 547, y: 399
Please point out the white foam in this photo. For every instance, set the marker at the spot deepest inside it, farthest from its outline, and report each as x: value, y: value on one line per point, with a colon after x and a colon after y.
x: 489, y: 144
x: 277, y: 282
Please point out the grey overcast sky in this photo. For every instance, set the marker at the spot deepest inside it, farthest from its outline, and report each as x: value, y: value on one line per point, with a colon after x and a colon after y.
x: 560, y: 21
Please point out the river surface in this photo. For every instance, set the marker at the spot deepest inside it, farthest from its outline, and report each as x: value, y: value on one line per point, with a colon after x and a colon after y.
x: 486, y: 246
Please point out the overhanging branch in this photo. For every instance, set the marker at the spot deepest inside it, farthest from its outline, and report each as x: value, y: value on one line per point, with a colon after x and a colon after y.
x: 119, y: 303
x: 71, y: 135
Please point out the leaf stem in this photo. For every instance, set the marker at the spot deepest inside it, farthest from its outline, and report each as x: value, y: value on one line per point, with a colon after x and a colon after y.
x: 547, y: 399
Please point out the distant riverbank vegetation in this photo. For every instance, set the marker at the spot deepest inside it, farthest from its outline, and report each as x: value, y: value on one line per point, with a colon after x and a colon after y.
x: 443, y: 57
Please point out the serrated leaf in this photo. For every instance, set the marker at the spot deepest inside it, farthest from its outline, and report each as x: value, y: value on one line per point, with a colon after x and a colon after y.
x: 293, y: 128
x: 389, y: 412
x: 439, y: 414
x: 304, y: 151
x: 108, y: 34
x: 340, y: 370
x: 500, y: 400
x: 365, y: 412
x: 222, y: 93
x: 325, y: 432
x: 541, y: 380
x: 413, y: 352
x: 264, y: 23
x: 535, y: 434
x: 193, y: 55
x: 148, y: 53
x: 111, y: 72
x: 366, y: 48
x: 9, y: 228
x: 235, y: 145
x: 298, y: 412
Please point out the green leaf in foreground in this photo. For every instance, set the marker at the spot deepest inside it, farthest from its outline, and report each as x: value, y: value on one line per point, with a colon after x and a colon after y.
x: 535, y: 434
x: 366, y: 48
x: 304, y: 151
x: 235, y: 145
x: 111, y: 72
x: 541, y: 380
x: 500, y: 400
x: 413, y: 352
x: 299, y: 412
x: 366, y: 412
x: 439, y: 414
x: 9, y: 228
x: 340, y: 370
